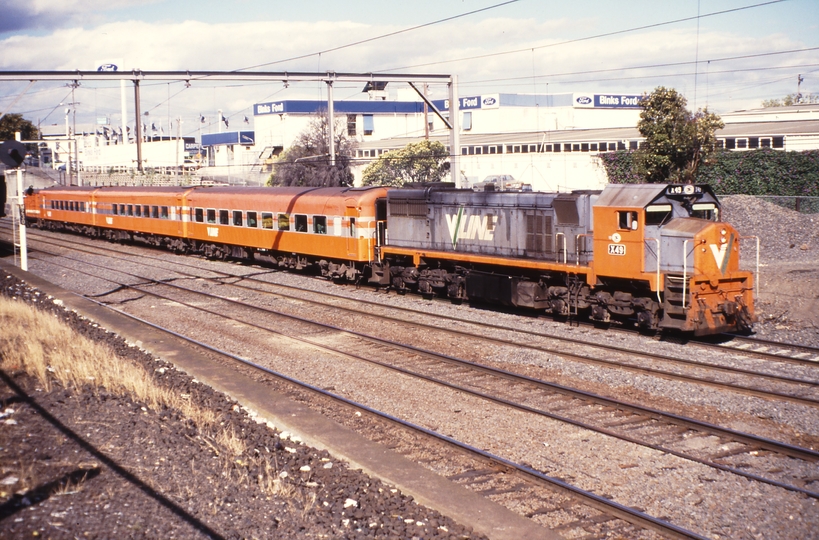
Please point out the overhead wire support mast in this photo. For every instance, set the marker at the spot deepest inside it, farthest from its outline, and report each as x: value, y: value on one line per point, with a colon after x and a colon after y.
x: 327, y: 77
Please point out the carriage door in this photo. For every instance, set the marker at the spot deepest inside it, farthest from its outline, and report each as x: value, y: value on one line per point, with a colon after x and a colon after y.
x: 178, y: 214
x: 352, y: 233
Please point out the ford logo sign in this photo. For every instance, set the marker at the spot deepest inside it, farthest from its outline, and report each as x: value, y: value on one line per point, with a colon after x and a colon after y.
x: 584, y: 100
x: 108, y: 67
x: 489, y: 101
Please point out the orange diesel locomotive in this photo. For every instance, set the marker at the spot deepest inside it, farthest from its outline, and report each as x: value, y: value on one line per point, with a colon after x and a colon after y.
x: 653, y: 255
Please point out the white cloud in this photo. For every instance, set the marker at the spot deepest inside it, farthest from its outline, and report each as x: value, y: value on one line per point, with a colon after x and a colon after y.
x: 474, y: 44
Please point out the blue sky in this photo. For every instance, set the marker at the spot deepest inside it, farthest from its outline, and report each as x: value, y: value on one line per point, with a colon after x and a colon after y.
x: 728, y: 61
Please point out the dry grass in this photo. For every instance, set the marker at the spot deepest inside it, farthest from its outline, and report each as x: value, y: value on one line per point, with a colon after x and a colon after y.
x: 44, y: 347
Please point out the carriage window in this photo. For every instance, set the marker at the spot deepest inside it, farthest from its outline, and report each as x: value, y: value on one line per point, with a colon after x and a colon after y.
x: 114, y: 209
x: 130, y: 209
x: 138, y: 210
x: 300, y: 222
x: 320, y: 224
x: 267, y: 220
x: 251, y: 219
x: 211, y: 215
x: 146, y: 211
x: 199, y: 215
x: 284, y: 222
x: 122, y: 210
x: 657, y: 214
x: 707, y: 211
x: 237, y: 218
x: 155, y: 212
x: 164, y: 212
x: 627, y: 220
x: 82, y: 206
x: 223, y: 217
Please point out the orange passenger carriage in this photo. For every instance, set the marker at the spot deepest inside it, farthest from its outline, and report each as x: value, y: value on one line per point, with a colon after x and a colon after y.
x: 333, y: 228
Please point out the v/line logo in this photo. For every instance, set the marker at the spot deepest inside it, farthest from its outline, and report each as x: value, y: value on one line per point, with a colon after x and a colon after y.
x: 720, y: 253
x: 470, y: 227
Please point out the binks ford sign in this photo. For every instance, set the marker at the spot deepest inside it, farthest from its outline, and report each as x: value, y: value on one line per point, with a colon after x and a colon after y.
x: 607, y: 101
x: 268, y: 108
x: 490, y: 101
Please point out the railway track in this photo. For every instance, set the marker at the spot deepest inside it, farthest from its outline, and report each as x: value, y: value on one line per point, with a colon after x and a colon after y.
x: 650, y: 428
x: 752, y: 347
x: 617, y: 519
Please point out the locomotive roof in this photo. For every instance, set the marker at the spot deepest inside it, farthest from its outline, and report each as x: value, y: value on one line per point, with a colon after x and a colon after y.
x: 641, y: 195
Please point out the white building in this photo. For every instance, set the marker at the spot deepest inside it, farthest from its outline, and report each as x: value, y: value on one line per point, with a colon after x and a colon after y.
x: 550, y: 141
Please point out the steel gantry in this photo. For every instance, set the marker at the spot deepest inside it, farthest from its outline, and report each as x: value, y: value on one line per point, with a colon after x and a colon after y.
x: 329, y: 78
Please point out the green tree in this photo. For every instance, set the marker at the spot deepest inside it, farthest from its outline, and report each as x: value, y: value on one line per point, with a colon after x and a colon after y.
x: 308, y: 163
x: 425, y: 161
x: 677, y: 142
x: 10, y: 123
x: 791, y: 99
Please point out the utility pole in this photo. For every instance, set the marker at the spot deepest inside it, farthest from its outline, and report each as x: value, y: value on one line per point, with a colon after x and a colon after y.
x: 331, y: 124
x: 138, y: 113
x: 426, y: 114
x: 68, y: 142
x: 799, y: 80
x: 21, y: 213
x: 74, y: 104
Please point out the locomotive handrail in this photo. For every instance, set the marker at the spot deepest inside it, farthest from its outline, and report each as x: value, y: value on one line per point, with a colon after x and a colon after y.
x: 577, y: 247
x: 565, y: 252
x: 756, y: 274
x: 685, y: 271
x: 658, y: 267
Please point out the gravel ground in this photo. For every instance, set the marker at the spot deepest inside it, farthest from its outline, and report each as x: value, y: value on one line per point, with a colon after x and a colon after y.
x: 788, y: 301
x: 99, y: 466
x: 787, y: 310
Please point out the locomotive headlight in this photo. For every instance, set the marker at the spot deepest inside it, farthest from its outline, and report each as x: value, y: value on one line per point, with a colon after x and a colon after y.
x: 723, y: 240
x: 723, y: 232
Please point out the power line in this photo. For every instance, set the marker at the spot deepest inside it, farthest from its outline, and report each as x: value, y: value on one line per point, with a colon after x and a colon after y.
x: 368, y: 40
x: 650, y: 66
x: 587, y: 38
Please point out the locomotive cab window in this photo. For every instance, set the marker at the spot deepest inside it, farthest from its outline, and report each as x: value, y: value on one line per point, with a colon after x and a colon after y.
x: 320, y: 224
x: 251, y: 219
x: 707, y: 211
x: 199, y: 215
x: 657, y: 214
x: 627, y: 219
x: 300, y: 222
x: 237, y: 218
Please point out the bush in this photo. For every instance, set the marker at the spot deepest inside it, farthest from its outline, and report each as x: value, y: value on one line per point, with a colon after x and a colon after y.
x: 756, y: 172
